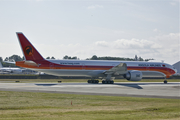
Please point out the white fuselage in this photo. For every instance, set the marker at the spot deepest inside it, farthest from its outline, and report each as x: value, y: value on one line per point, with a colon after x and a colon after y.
x: 95, y: 68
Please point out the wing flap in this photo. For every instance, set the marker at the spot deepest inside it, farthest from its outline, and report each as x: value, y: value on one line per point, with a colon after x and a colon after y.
x: 117, y: 70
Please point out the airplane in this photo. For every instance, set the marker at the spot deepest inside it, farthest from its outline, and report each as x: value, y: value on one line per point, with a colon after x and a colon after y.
x: 9, y: 69
x: 106, y: 70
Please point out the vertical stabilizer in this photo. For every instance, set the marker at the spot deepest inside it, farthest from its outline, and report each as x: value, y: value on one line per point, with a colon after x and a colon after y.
x: 29, y: 51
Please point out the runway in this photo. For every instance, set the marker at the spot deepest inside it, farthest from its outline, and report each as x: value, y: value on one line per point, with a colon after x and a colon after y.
x: 132, y: 89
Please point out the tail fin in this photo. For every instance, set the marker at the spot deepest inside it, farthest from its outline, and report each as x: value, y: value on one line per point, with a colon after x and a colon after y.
x: 29, y: 51
x: 1, y: 65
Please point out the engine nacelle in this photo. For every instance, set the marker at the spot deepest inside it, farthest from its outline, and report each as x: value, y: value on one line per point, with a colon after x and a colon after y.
x: 133, y: 75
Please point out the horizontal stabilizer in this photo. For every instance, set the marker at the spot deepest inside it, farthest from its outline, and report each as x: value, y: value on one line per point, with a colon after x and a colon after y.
x: 10, y: 62
x: 31, y: 63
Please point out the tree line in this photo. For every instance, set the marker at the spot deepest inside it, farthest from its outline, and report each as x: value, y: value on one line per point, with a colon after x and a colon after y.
x: 94, y: 57
x: 12, y: 58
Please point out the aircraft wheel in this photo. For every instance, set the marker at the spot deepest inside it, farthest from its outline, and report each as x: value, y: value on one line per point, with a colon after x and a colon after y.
x: 112, y: 82
x: 107, y: 82
x: 93, y: 81
x: 165, y: 81
x: 103, y: 82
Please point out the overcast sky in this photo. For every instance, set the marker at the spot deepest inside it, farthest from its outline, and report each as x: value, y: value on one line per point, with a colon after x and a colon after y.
x: 83, y: 28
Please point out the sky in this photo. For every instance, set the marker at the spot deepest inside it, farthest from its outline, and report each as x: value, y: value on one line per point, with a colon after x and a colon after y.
x: 83, y: 28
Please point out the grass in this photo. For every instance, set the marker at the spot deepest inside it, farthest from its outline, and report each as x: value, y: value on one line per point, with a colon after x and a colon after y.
x: 53, y: 106
x: 79, y: 80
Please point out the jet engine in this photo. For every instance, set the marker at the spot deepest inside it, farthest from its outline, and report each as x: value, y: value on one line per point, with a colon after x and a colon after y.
x: 133, y: 75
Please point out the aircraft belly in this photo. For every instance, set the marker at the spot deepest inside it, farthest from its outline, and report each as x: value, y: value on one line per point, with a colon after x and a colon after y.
x: 56, y: 72
x: 92, y: 73
x: 152, y: 74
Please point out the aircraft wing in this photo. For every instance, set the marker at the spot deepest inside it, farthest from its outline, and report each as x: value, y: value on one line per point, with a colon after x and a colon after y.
x: 117, y: 70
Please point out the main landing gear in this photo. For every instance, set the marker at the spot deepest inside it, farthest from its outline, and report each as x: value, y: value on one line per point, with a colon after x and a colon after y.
x: 93, y: 81
x: 103, y: 82
x: 108, y: 79
x: 107, y: 82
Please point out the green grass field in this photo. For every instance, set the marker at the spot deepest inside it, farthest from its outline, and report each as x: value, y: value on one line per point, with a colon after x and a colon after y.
x: 80, y: 80
x: 53, y: 106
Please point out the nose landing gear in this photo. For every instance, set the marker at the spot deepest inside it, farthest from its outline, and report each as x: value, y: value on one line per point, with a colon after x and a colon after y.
x: 165, y: 81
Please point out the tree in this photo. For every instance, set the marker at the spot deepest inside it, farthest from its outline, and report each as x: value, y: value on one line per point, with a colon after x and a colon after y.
x: 52, y: 57
x: 94, y: 57
x: 48, y: 58
x: 136, y: 58
x: 1, y: 59
x: 74, y: 58
x: 69, y: 57
x: 65, y: 57
x: 15, y: 58
x: 149, y: 59
x: 6, y: 59
x: 140, y: 59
